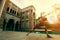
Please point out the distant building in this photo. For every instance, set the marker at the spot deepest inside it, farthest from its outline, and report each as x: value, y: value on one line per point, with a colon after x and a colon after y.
x: 14, y: 19
x: 28, y: 18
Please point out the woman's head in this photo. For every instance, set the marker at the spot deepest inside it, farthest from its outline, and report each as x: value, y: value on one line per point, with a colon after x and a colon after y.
x: 44, y: 18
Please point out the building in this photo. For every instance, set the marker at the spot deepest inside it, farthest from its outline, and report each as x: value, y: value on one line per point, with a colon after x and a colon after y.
x: 15, y: 19
x: 11, y: 15
x: 28, y: 18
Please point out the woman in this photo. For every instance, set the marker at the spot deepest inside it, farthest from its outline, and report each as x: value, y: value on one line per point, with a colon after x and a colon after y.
x: 40, y: 25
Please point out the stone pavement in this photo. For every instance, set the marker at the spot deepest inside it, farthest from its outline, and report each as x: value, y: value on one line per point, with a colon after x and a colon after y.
x: 9, y: 35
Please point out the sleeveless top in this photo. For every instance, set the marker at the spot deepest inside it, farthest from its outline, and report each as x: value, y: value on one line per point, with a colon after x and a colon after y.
x: 42, y: 24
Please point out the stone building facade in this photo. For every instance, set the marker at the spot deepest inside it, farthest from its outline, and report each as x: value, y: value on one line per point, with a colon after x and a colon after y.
x: 14, y: 19
x: 28, y: 18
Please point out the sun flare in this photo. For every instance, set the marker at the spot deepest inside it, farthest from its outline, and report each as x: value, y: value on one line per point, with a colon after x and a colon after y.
x: 52, y: 18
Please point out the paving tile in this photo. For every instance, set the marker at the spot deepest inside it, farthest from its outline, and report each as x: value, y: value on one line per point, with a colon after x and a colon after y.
x: 9, y: 35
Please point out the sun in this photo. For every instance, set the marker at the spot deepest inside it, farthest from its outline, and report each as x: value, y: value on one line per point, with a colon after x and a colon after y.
x: 52, y: 18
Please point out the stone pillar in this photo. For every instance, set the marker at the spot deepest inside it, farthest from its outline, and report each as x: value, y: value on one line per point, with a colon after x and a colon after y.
x: 14, y: 26
x: 2, y: 3
x: 6, y: 24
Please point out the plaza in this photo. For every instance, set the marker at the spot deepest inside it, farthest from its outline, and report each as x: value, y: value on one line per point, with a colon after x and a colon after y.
x: 11, y: 35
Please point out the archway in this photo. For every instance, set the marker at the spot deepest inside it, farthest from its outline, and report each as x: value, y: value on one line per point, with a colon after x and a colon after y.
x: 10, y: 25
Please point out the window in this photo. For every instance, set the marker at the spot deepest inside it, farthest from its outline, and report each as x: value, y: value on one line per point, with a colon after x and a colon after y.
x: 22, y: 24
x: 27, y: 24
x: 27, y: 14
x: 17, y: 14
x: 11, y: 11
x: 23, y: 16
x: 7, y: 10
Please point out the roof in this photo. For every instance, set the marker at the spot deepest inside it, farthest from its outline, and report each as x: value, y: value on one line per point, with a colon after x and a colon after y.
x: 28, y: 8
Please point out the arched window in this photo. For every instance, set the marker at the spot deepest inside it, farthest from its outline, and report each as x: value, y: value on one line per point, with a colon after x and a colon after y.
x: 11, y: 11
x: 7, y: 9
x: 15, y: 12
x: 18, y: 14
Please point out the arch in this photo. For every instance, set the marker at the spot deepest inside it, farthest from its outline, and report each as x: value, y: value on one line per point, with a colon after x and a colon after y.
x: 17, y: 26
x: 10, y: 25
x: 7, y: 9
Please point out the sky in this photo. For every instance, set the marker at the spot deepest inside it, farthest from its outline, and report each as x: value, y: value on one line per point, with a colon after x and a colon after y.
x: 40, y: 5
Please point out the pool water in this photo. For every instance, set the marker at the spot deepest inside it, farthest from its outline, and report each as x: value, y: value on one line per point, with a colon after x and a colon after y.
x: 43, y: 32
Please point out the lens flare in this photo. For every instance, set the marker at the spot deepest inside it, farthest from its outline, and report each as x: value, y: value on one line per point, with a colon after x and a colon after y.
x: 52, y: 18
